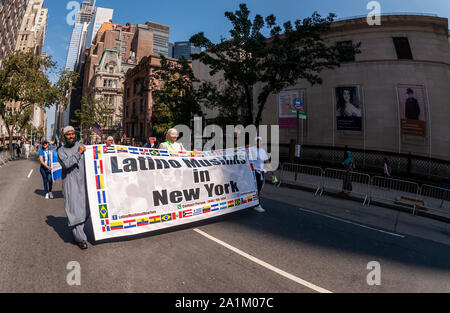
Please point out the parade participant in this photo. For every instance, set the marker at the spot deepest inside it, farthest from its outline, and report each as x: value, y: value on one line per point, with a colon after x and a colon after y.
x: 171, y: 143
x: 71, y: 158
x: 150, y: 144
x: 45, y: 157
x: 109, y: 141
x: 27, y: 149
x: 259, y: 157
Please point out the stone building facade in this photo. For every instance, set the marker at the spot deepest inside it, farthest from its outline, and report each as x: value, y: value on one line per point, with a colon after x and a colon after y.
x: 403, y: 62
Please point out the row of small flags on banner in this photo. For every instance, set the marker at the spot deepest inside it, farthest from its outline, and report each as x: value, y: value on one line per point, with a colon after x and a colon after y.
x: 98, y: 150
x: 146, y: 221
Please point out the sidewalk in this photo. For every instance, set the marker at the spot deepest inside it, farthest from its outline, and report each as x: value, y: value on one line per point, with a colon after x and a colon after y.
x: 332, y: 187
x: 347, y: 209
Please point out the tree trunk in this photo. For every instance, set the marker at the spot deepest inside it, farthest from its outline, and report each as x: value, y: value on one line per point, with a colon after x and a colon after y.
x: 249, y: 100
x: 262, y: 104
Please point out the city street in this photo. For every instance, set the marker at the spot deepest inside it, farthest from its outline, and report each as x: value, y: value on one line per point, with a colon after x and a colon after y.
x: 302, y: 244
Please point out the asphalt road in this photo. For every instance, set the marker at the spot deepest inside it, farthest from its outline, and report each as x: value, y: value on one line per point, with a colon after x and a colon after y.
x: 302, y: 244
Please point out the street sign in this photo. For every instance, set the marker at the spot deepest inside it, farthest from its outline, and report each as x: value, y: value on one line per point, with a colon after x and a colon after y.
x: 298, y: 104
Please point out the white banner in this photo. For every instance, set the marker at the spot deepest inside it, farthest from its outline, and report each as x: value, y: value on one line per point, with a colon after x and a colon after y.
x: 139, y: 190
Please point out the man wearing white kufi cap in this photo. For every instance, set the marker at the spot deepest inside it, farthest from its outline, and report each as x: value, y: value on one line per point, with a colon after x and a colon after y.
x: 71, y: 158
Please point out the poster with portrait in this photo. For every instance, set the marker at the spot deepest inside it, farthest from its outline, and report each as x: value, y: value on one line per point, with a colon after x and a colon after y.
x: 287, y: 111
x: 412, y: 110
x: 349, y: 111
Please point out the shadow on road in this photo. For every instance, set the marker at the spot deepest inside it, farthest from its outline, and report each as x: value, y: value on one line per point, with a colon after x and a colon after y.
x: 286, y: 221
x: 56, y: 194
x: 60, y: 226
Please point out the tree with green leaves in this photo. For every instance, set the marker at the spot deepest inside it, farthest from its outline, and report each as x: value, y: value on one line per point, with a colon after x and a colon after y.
x: 23, y: 83
x: 65, y: 85
x: 248, y: 59
x: 175, y: 100
x: 95, y: 111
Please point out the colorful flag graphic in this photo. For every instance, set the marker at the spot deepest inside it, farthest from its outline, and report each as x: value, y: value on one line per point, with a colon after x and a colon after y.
x: 98, y: 167
x: 109, y: 150
x: 155, y: 219
x: 143, y: 222
x: 155, y: 153
x: 122, y: 150
x: 99, y: 180
x: 97, y: 153
x: 103, y: 211
x: 116, y: 226
x: 101, y: 197
x: 133, y: 150
x: 129, y: 224
x: 166, y: 217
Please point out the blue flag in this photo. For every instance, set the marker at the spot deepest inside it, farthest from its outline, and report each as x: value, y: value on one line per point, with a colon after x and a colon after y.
x: 56, y: 167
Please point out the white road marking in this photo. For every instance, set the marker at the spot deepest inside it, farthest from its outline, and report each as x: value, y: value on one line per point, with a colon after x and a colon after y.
x: 29, y: 175
x: 264, y: 264
x: 353, y: 223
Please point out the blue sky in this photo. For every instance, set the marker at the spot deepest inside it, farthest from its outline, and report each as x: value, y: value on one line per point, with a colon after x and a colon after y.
x: 187, y: 18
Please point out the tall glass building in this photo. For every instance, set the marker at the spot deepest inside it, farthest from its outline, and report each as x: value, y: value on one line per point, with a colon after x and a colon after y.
x: 184, y: 49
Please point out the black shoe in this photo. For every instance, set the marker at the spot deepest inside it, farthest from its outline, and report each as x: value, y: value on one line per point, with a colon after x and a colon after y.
x: 82, y: 245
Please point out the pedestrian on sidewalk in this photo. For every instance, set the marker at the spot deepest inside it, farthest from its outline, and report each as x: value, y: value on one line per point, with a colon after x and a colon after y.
x: 349, y: 166
x: 27, y: 149
x: 387, y: 168
x: 71, y: 158
x: 45, y: 157
x: 259, y: 157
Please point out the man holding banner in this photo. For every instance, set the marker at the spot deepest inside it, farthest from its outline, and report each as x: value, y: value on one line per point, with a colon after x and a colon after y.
x: 71, y: 158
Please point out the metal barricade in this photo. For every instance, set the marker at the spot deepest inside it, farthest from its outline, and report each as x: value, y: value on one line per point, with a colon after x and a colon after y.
x: 302, y: 175
x: 4, y: 158
x: 347, y: 182
x: 398, y: 191
x: 436, y: 198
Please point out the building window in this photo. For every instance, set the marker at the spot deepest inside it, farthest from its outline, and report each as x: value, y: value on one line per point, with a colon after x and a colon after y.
x: 111, y: 70
x: 141, y: 106
x: 105, y: 83
x: 403, y: 48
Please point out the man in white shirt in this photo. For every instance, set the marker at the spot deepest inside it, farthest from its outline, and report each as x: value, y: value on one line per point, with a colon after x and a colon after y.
x: 259, y: 158
x: 27, y: 149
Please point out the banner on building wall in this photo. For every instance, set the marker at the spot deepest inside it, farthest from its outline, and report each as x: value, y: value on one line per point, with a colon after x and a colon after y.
x: 412, y: 110
x: 349, y: 112
x: 139, y: 190
x: 287, y: 110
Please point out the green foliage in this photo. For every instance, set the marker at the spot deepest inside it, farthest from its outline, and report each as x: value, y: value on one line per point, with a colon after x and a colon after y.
x: 23, y: 83
x: 248, y: 60
x: 95, y: 111
x: 175, y: 101
x: 64, y: 86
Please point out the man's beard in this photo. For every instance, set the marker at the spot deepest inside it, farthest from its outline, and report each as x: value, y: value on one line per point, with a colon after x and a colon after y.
x: 70, y: 144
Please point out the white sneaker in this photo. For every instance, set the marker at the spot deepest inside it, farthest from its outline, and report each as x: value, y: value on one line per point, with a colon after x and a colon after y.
x: 50, y: 195
x: 46, y: 196
x: 259, y: 209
